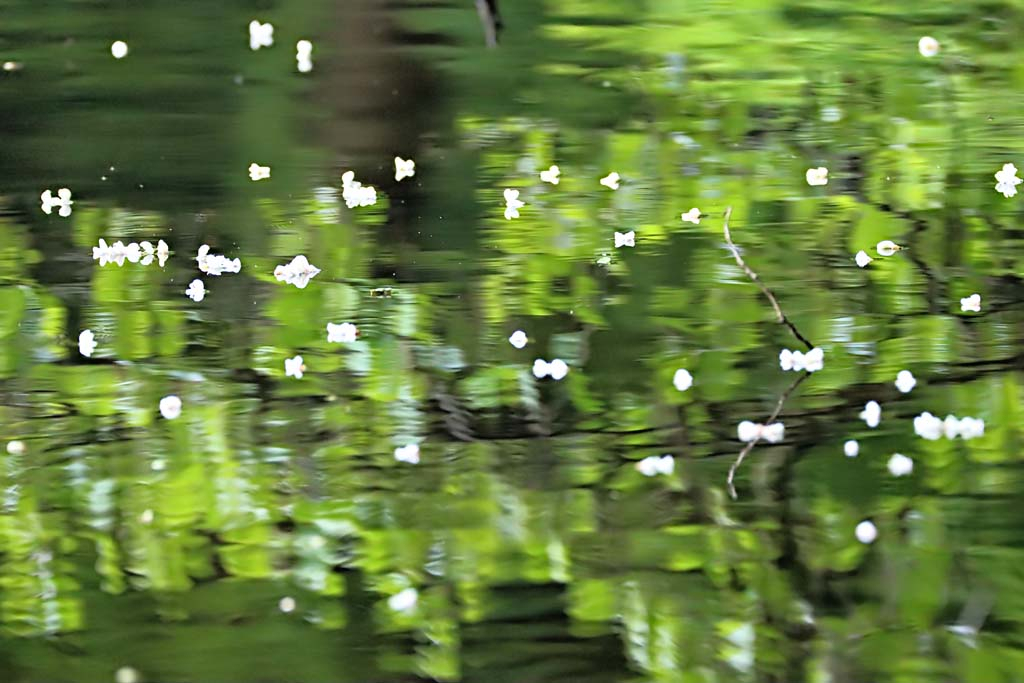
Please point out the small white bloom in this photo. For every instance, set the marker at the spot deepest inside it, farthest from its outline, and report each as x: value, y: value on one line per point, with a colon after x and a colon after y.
x: 872, y: 414
x: 748, y: 431
x: 625, y: 239
x: 294, y: 367
x: 611, y: 181
x: 971, y: 303
x: 16, y: 447
x: 817, y: 176
x: 512, y: 204
x: 928, y: 46
x: 786, y: 360
x: 773, y: 433
x: 260, y: 35
x: 887, y: 248
x: 146, y: 517
x: 900, y: 465
x: 951, y: 427
x: 652, y: 466
x: 298, y: 272
x: 862, y: 258
x: 215, y: 264
x: 403, y: 601
x: 257, y: 172
x: 355, y: 193
x: 927, y: 426
x: 851, y: 448
x: 518, y: 339
x: 814, y: 360
x: 119, y: 49
x: 550, y: 175
x: 86, y: 343
x: 556, y: 369
x: 127, y: 674
x: 345, y: 333
x: 866, y: 532
x: 170, y: 407
x: 303, y: 56
x: 409, y: 453
x: 798, y: 361
x: 196, y: 290
x: 971, y: 428
x: 1007, y: 180
x: 62, y: 202
x: 404, y: 168
x: 691, y: 216
x: 682, y: 379
x: 286, y: 605
x: 905, y: 381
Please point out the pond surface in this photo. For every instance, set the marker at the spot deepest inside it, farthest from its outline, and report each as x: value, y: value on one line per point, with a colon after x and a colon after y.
x: 269, y: 533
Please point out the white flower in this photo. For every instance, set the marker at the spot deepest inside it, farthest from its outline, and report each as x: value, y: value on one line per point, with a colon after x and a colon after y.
x: 872, y: 414
x: 62, y: 201
x: 748, y: 431
x: 86, y: 343
x: 303, y: 56
x: 1006, y: 181
x: 851, y: 448
x: 887, y: 248
x: 862, y: 258
x: 257, y: 172
x: 900, y: 465
x: 518, y: 339
x: 797, y: 361
x: 691, y: 216
x: 170, y: 407
x: 403, y: 601
x: 817, y: 176
x: 682, y: 379
x: 905, y: 381
x: 196, y: 290
x: 260, y: 35
x: 16, y: 447
x: 556, y: 369
x: 294, y: 367
x: 149, y: 252
x: 951, y: 427
x: 355, y: 193
x: 866, y: 532
x: 286, y: 604
x: 345, y: 333
x: 119, y: 49
x: 409, y: 453
x: 404, y: 168
x: 611, y: 181
x: 971, y: 303
x: 652, y: 466
x: 625, y: 239
x: 971, y: 428
x: 927, y: 426
x: 216, y: 264
x: 512, y: 204
x: 298, y: 272
x: 928, y: 46
x: 550, y: 175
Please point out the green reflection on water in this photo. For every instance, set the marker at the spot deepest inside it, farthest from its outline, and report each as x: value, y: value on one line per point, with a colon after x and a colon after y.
x: 537, y: 550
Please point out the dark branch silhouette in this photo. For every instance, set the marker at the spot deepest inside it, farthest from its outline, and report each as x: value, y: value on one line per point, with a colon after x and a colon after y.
x: 779, y: 315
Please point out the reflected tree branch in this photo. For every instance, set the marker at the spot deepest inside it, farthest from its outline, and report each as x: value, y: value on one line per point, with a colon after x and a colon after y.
x: 779, y: 315
x: 771, y: 418
x: 490, y: 19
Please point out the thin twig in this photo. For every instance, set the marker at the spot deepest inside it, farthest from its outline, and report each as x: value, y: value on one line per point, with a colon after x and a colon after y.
x: 779, y: 315
x: 771, y: 418
x: 489, y: 20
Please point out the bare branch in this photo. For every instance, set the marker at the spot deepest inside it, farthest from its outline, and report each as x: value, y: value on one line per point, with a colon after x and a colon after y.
x: 771, y: 418
x: 779, y: 315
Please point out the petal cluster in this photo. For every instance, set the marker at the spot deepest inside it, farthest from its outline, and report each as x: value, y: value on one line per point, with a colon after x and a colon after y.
x: 298, y: 272
x: 932, y: 428
x: 355, y: 193
x: 556, y: 369
x: 748, y: 431
x: 798, y: 361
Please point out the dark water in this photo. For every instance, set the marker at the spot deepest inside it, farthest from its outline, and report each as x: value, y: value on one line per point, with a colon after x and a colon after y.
x: 538, y: 552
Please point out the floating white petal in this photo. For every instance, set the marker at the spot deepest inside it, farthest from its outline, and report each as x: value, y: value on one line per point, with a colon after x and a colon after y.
x: 866, y: 532
x: 900, y: 465
x: 872, y: 414
x: 682, y: 379
x: 86, y: 343
x: 518, y: 339
x: 409, y: 453
x: 817, y: 176
x: 887, y: 248
x: 551, y: 175
x: 303, y: 56
x: 851, y: 448
x: 556, y: 369
x: 404, y: 168
x: 611, y: 181
x: 257, y: 172
x: 345, y: 333
x: 404, y: 601
x: 196, y: 290
x: 216, y: 264
x: 971, y: 303
x: 625, y: 239
x: 862, y: 258
x: 512, y: 203
x: 691, y: 216
x: 260, y: 35
x: 298, y: 272
x: 355, y: 193
x: 653, y: 465
x: 905, y: 381
x: 294, y: 367
x: 62, y: 202
x: 170, y: 407
x: 119, y: 49
x: 928, y: 46
x: 1007, y: 180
